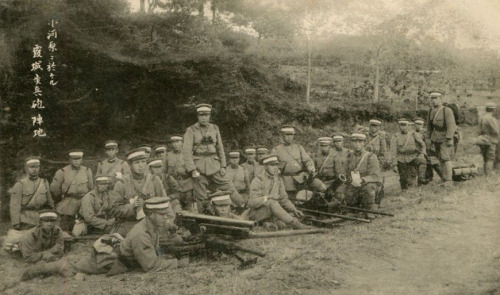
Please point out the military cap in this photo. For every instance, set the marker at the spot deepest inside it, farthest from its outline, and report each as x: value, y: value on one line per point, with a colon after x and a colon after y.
x: 102, y: 178
x: 204, y: 108
x: 337, y: 137
x: 156, y: 162
x: 324, y: 141
x: 221, y: 198
x: 175, y: 138
x: 76, y: 154
x: 491, y: 106
x: 358, y: 137
x: 234, y: 154
x: 375, y: 122
x: 435, y: 94
x: 270, y: 159
x: 288, y: 129
x: 262, y: 150
x: 157, y: 203
x: 47, y: 215
x: 160, y: 148
x: 136, y: 154
x: 32, y: 161
x: 419, y: 121
x: 403, y: 121
x: 145, y: 147
x: 250, y: 151
x: 111, y: 144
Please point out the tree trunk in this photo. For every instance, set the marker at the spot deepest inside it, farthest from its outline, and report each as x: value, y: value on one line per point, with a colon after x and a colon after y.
x: 142, y: 7
x: 308, y: 90
x: 201, y: 14
x: 214, y: 12
x: 377, y: 79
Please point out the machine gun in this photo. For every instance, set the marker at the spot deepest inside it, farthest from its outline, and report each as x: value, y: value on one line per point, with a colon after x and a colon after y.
x: 218, y: 234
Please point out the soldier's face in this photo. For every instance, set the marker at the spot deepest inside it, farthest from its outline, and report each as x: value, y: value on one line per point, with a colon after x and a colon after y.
x: 33, y: 170
x: 324, y: 148
x: 159, y: 218
x: 250, y: 158
x: 203, y: 119
x: 288, y: 138
x: 222, y: 210
x: 259, y: 156
x: 234, y: 161
x: 138, y: 166
x: 156, y: 170
x: 177, y: 145
x: 436, y: 101
x: 358, y: 145
x: 374, y: 128
x: 76, y: 162
x: 111, y: 152
x: 338, y: 144
x: 273, y: 169
x: 160, y: 154
x: 48, y: 225
x: 102, y: 186
x: 403, y: 127
x: 418, y: 127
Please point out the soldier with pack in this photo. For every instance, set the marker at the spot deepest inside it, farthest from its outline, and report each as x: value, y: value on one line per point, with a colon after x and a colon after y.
x: 96, y: 207
x: 376, y: 141
x: 128, y: 200
x: 430, y: 157
x: 250, y: 163
x: 175, y: 166
x: 489, y: 134
x: 364, y: 175
x: 268, y: 198
x: 69, y: 185
x: 113, y: 166
x: 170, y: 185
x: 205, y: 160
x: 237, y: 174
x: 408, y: 155
x: 28, y: 196
x: 295, y: 164
x: 441, y: 131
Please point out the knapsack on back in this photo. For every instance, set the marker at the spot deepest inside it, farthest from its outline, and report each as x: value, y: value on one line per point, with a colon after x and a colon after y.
x: 454, y: 107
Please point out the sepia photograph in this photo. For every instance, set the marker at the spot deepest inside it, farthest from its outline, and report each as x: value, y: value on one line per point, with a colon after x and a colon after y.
x: 249, y: 147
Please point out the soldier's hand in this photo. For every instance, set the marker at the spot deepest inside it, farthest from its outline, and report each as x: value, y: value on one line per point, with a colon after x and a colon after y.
x: 138, y: 203
x: 449, y: 142
x: 195, y: 174
x: 298, y: 213
x: 222, y: 171
x: 395, y: 169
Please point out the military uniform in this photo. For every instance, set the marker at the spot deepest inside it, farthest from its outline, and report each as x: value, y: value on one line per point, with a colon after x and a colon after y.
x: 376, y: 142
x: 96, y: 211
x: 250, y: 169
x: 175, y: 167
x: 407, y: 153
x: 112, y: 167
x: 239, y: 178
x: 489, y: 134
x: 27, y: 197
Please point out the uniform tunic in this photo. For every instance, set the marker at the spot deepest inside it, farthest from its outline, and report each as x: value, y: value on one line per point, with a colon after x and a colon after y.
x: 406, y: 147
x: 376, y: 144
x: 26, y: 198
x: 369, y: 171
x: 441, y: 124
x: 110, y: 168
x: 325, y: 165
x: 176, y: 167
x: 238, y: 177
x: 293, y: 160
x: 488, y: 128
x: 250, y: 168
x: 71, y: 185
x: 96, y: 209
x: 35, y: 243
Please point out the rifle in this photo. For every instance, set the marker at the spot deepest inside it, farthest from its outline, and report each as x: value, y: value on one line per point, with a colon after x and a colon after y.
x: 218, y: 234
x: 321, y: 213
x: 366, y: 210
x: 380, y: 193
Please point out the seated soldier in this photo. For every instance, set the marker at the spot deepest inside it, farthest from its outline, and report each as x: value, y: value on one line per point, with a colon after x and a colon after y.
x: 268, y: 198
x: 29, y: 195
x: 364, y: 174
x: 170, y: 185
x: 113, y: 256
x: 221, y: 205
x: 160, y: 151
x: 238, y: 175
x: 44, y: 242
x: 96, y: 207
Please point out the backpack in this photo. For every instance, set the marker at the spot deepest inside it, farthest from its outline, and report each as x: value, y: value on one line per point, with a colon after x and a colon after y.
x: 456, y: 113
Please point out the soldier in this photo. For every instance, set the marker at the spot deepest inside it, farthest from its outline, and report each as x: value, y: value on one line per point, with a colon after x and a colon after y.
x: 268, y: 197
x: 29, y: 195
x: 375, y: 141
x: 295, y: 164
x: 237, y: 174
x: 260, y: 153
x: 221, y: 205
x: 430, y: 157
x: 408, y: 155
x: 176, y: 167
x: 441, y: 130
x: 251, y: 163
x: 170, y: 185
x: 128, y: 202
x: 364, y: 170
x: 324, y: 161
x: 160, y: 151
x: 69, y: 185
x: 44, y: 242
x: 96, y: 207
x: 147, y: 149
x: 114, y: 255
x: 340, y: 156
x: 204, y: 157
x: 489, y: 133
x: 114, y: 167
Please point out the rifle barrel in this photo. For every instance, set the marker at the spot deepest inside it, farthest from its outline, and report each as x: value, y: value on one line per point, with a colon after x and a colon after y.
x: 221, y: 244
x: 335, y: 215
x: 200, y: 218
x: 367, y: 211
x: 285, y: 233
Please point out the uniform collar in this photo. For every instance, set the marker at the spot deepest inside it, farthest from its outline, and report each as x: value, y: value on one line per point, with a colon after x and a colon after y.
x: 138, y: 176
x: 33, y: 178
x: 112, y: 160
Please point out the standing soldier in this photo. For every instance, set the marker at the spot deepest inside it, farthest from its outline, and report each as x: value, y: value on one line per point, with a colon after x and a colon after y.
x: 251, y: 163
x: 268, y: 197
x: 260, y: 153
x: 441, y: 130
x: 430, y: 157
x: 295, y: 164
x: 96, y: 207
x: 340, y: 156
x: 176, y: 167
x: 29, y: 195
x: 324, y: 161
x: 203, y: 153
x: 69, y: 185
x: 408, y: 155
x: 127, y: 203
x: 160, y: 151
x: 114, y: 167
x: 489, y: 134
x: 170, y: 185
x: 237, y: 174
x: 375, y: 141
x: 364, y: 170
